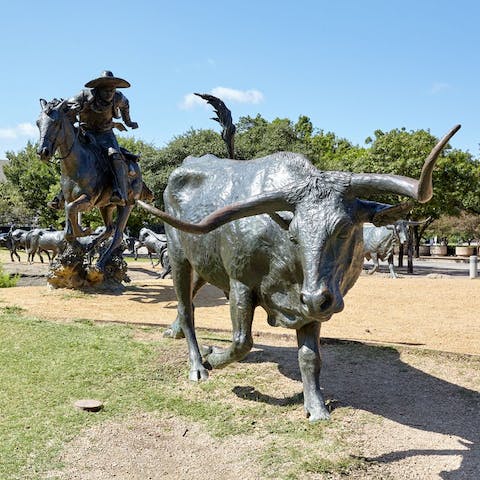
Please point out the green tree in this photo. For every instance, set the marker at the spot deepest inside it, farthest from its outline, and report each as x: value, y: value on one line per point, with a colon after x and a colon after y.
x: 13, y: 208
x: 403, y: 152
x: 158, y: 164
x: 329, y: 152
x: 32, y: 181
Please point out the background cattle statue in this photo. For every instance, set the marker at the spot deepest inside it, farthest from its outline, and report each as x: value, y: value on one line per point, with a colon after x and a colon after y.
x: 156, y: 244
x: 13, y: 240
x: 379, y: 242
x: 297, y: 262
x: 40, y: 240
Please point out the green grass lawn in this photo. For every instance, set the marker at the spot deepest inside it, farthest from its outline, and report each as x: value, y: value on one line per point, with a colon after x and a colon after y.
x: 45, y: 367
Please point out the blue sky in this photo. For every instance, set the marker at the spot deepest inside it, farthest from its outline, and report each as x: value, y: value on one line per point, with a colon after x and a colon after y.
x: 351, y: 66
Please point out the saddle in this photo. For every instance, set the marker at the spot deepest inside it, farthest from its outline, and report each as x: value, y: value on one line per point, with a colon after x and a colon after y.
x: 102, y: 154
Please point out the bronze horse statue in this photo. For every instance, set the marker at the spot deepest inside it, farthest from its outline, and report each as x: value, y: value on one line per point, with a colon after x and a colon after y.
x: 86, y: 176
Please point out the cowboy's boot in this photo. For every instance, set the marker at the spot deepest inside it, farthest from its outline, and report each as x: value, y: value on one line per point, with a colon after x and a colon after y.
x: 120, y: 184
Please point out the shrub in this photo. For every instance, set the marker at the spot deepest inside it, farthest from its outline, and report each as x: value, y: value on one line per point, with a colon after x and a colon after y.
x: 6, y: 280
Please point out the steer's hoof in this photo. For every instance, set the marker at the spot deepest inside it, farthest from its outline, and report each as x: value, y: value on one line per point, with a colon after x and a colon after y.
x: 198, y: 374
x: 172, y: 332
x: 317, y: 414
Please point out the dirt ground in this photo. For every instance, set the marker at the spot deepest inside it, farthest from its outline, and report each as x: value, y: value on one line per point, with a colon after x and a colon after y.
x: 414, y: 414
x: 439, y: 310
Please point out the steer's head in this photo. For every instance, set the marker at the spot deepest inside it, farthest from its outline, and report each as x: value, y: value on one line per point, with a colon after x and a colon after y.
x: 326, y: 228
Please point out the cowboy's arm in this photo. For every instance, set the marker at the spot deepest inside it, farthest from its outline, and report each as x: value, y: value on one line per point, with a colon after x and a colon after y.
x: 124, y: 108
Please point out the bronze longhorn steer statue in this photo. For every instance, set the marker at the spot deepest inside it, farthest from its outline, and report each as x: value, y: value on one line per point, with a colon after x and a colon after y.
x: 296, y: 255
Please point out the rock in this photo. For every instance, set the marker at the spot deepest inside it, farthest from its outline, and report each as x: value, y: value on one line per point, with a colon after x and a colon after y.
x: 89, y: 405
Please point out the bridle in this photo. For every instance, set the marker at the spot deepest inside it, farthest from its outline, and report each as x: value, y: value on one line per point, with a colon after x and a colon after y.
x: 54, y: 142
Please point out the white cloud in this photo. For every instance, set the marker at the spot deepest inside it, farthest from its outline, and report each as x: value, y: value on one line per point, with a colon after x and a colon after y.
x: 190, y: 101
x: 247, y: 96
x: 21, y: 130
x: 225, y: 94
x: 439, y: 87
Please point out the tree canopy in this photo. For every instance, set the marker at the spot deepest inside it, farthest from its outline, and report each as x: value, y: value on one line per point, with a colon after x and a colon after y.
x: 31, y: 184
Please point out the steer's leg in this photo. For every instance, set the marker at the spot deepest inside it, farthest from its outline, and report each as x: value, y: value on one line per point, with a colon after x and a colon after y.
x: 375, y: 264
x: 241, y: 312
x: 390, y: 266
x: 308, y: 339
x: 182, y: 279
x: 175, y: 330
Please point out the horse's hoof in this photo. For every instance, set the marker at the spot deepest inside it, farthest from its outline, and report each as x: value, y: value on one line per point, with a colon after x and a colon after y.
x: 95, y: 276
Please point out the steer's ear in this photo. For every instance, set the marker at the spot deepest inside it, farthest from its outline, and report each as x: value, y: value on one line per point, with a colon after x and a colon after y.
x: 381, y: 213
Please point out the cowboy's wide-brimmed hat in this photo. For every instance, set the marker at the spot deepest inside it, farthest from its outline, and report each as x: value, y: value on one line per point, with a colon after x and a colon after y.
x: 107, y: 80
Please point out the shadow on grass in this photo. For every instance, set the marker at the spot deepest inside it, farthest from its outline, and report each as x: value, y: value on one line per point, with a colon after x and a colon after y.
x: 375, y: 379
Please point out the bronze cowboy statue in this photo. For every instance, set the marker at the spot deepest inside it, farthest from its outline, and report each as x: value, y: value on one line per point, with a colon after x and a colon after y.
x: 95, y: 171
x: 97, y: 105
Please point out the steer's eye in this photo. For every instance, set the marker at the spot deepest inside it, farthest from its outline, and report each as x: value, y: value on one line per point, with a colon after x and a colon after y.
x: 292, y: 238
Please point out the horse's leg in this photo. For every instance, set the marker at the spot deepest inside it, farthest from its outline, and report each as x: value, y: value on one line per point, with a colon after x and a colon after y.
x: 122, y: 217
x: 72, y: 228
x: 107, y: 216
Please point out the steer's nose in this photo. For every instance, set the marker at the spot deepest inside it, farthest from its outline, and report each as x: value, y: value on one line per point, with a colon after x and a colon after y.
x: 320, y: 301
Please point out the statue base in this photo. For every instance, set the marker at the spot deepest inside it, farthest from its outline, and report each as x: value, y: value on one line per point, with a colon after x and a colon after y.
x: 72, y: 270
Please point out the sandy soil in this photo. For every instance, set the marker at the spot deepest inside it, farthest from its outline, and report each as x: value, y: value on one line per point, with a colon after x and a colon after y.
x: 413, y: 414
x: 434, y: 311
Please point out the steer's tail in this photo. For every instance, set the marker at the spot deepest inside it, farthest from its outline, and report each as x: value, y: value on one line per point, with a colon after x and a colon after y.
x: 224, y: 118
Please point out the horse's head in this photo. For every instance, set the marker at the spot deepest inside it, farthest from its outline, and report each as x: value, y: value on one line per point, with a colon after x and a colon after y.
x: 51, y: 126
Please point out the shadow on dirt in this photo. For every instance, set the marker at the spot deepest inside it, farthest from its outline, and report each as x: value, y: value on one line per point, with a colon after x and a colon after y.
x: 375, y: 379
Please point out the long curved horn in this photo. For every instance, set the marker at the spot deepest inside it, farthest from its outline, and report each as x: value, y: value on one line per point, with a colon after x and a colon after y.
x: 421, y: 190
x: 266, y: 203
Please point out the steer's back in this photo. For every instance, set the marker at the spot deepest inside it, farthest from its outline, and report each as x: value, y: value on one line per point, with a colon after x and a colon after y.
x: 201, y: 185
x: 239, y: 249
